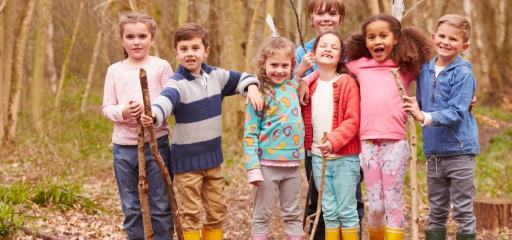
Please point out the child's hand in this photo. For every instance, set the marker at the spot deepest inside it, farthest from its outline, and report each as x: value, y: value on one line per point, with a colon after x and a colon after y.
x: 254, y: 96
x: 303, y: 93
x: 411, y: 106
x: 256, y: 183
x: 132, y: 110
x: 306, y: 64
x: 325, y: 148
x: 472, y: 104
x: 146, y: 120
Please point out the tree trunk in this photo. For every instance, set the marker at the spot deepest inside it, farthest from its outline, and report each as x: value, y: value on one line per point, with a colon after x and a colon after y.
x: 182, y: 12
x: 466, y: 6
x: 250, y: 48
x: 17, y: 76
x: 92, y: 69
x: 492, y: 214
x: 374, y: 6
x: 50, y: 61
x: 231, y: 53
x: 482, y: 61
x: 493, y: 51
x: 63, y: 70
x: 214, y: 25
x: 8, y: 28
x: 37, y: 87
x: 2, y: 60
x: 385, y: 6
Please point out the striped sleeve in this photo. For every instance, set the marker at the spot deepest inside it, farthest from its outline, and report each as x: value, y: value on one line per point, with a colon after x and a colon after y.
x: 168, y: 100
x: 235, y: 82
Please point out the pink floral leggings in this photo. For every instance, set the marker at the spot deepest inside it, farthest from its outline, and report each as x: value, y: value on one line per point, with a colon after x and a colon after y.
x: 384, y: 163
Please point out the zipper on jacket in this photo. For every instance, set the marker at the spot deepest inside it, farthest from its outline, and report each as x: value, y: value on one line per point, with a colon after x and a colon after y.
x: 434, y: 85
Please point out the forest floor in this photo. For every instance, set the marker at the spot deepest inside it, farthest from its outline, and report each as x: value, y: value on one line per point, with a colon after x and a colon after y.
x: 77, y: 224
x: 96, y: 174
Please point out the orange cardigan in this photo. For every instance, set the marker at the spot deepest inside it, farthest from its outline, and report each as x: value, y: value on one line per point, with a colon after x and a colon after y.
x: 344, y: 137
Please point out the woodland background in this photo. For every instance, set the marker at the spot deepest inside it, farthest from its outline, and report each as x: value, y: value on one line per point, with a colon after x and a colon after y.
x: 56, y: 173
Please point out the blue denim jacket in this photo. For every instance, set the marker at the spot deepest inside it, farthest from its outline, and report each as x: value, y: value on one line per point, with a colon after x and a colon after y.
x: 447, y: 99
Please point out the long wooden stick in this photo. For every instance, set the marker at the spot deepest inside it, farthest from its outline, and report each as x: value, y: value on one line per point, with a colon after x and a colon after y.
x: 158, y: 158
x: 320, y: 192
x: 143, y: 186
x: 412, y: 164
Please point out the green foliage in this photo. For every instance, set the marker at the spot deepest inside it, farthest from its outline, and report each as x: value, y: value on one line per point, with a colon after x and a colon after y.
x: 10, y: 221
x: 18, y: 196
x: 62, y: 195
x: 493, y: 167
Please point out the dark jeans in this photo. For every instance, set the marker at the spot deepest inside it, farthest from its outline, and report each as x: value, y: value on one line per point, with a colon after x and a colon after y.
x: 313, y: 200
x: 126, y: 169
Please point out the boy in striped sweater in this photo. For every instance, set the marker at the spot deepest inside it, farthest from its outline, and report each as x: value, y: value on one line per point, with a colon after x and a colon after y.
x: 194, y: 95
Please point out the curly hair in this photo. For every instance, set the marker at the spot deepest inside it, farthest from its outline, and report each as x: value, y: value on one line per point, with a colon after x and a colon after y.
x: 414, y: 47
x: 270, y: 46
x: 340, y: 68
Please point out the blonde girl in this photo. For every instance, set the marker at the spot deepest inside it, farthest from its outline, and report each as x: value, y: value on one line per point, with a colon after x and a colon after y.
x: 273, y: 142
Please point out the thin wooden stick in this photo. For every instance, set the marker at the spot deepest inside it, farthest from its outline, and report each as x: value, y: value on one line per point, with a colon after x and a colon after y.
x: 320, y: 192
x: 143, y: 186
x: 158, y: 158
x: 298, y: 25
x: 412, y: 164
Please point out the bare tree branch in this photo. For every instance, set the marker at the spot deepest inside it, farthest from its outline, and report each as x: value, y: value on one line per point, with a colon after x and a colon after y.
x: 412, y: 8
x: 3, y: 5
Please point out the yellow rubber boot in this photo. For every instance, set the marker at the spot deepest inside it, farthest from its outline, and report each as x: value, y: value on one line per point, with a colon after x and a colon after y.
x: 192, y: 235
x: 332, y: 234
x: 394, y: 233
x: 376, y: 233
x: 212, y: 234
x: 350, y: 233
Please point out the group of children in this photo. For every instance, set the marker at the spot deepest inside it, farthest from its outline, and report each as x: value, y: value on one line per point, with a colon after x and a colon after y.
x: 327, y: 101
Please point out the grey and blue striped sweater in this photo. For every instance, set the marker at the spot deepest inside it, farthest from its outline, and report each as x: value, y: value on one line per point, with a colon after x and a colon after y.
x: 196, y: 102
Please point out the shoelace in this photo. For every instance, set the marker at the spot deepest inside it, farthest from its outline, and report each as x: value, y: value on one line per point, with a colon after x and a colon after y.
x: 436, y: 159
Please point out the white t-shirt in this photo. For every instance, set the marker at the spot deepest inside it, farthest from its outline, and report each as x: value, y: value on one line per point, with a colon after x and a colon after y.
x: 438, y: 70
x: 322, y: 110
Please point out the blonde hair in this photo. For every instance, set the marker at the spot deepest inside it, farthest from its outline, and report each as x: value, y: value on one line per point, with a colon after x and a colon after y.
x: 337, y: 5
x: 457, y: 21
x: 135, y: 17
x: 270, y: 46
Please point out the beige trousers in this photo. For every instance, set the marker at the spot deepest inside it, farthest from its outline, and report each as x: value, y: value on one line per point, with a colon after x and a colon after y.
x: 199, y: 189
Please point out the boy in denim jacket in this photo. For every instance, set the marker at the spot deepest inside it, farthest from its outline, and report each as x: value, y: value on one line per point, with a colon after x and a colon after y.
x: 445, y: 89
